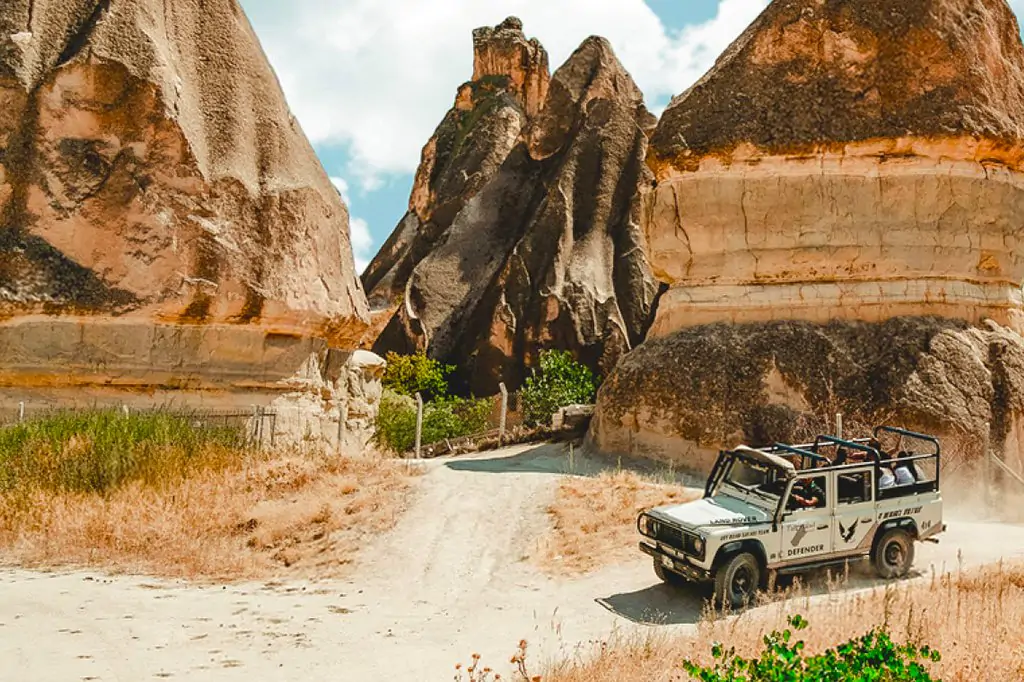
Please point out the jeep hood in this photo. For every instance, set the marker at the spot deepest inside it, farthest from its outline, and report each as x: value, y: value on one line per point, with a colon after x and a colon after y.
x: 717, y: 511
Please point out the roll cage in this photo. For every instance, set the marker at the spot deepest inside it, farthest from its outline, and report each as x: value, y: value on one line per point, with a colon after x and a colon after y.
x: 812, y: 460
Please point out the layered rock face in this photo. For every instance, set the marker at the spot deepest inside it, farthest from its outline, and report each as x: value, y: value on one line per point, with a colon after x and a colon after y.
x: 166, y: 226
x: 548, y: 251
x: 837, y: 215
x: 846, y: 160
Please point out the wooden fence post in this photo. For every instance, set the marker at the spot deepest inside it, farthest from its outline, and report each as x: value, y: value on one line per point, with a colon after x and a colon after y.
x: 21, y: 411
x: 839, y: 425
x: 419, y: 423
x: 254, y: 441
x: 504, y: 413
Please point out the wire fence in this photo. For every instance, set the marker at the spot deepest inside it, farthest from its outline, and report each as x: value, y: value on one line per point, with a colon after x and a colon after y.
x: 254, y: 427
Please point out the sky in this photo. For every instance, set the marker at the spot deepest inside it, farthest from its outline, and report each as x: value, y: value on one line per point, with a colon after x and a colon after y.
x: 369, y: 80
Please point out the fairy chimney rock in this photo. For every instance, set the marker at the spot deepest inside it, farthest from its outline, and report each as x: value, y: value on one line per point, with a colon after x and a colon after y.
x: 852, y: 160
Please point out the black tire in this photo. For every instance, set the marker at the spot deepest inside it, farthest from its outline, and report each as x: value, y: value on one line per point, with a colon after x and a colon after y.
x: 894, y: 554
x: 667, y: 576
x: 737, y: 581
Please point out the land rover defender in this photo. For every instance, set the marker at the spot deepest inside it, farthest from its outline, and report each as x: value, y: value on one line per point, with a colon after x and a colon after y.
x: 786, y: 509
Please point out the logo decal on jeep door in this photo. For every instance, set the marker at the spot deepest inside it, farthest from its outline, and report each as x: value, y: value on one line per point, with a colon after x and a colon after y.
x: 848, y: 533
x: 799, y: 535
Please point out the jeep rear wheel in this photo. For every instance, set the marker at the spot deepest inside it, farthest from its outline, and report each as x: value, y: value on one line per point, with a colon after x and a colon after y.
x: 737, y: 580
x: 665, y: 575
x: 894, y: 554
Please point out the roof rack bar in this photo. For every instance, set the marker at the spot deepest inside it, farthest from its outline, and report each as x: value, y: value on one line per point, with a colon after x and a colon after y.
x: 910, y: 434
x: 803, y: 453
x: 850, y: 444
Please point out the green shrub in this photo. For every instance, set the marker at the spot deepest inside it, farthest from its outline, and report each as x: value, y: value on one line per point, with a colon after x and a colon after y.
x: 561, y: 381
x: 396, y: 422
x: 412, y: 374
x: 97, y: 452
x: 442, y: 418
x: 871, y: 658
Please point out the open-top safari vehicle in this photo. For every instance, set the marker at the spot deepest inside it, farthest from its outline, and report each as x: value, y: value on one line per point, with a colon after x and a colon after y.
x: 786, y: 509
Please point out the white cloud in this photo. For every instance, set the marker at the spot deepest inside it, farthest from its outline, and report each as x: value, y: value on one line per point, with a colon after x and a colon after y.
x: 362, y: 243
x: 341, y: 185
x: 378, y: 76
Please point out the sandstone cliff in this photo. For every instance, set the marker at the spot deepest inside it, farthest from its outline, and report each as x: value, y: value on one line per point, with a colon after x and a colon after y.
x: 837, y: 217
x: 854, y: 160
x: 165, y: 223
x: 547, y: 250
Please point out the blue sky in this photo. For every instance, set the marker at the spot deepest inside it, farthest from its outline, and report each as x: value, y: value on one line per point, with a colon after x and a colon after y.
x: 369, y: 80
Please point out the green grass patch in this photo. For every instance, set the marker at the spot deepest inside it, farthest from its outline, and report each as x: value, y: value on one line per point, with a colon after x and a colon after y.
x: 98, y: 452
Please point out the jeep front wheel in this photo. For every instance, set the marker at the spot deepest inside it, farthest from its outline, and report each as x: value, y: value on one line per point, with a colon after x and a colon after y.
x: 737, y: 580
x: 665, y: 575
x: 894, y: 554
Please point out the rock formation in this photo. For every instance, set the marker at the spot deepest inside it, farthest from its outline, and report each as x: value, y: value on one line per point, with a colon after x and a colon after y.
x: 852, y: 171
x: 167, y: 231
x: 510, y: 83
x: 523, y: 231
x: 854, y: 160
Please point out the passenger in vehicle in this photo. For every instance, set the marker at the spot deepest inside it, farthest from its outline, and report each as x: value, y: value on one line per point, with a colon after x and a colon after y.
x: 903, y: 470
x: 886, y: 476
x: 886, y: 479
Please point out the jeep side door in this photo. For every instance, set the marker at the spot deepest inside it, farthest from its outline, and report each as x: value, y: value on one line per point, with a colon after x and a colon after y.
x: 807, y: 531
x: 854, y: 511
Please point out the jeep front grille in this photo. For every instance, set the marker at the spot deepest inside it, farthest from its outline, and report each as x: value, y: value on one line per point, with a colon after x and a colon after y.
x: 674, y: 537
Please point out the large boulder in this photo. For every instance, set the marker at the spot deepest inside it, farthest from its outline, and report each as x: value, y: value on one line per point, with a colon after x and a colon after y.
x: 836, y: 216
x: 548, y: 252
x: 166, y: 230
x: 681, y: 396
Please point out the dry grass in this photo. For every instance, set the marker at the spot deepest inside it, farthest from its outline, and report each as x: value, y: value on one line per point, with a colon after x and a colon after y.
x: 594, y: 519
x: 242, y: 517
x: 975, y: 619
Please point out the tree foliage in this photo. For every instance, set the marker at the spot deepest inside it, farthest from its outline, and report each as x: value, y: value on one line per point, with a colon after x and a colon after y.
x: 411, y: 374
x: 561, y: 381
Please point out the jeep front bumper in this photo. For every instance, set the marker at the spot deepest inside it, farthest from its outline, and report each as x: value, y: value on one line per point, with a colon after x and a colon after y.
x: 676, y: 565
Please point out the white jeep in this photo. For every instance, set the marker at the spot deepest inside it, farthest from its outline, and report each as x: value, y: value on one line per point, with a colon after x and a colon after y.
x: 786, y: 509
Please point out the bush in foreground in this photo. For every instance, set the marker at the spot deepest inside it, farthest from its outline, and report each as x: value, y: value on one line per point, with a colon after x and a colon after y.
x: 875, y: 657
x: 561, y: 381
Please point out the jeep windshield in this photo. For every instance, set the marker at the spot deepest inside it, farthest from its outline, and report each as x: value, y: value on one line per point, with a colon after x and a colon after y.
x: 756, y: 482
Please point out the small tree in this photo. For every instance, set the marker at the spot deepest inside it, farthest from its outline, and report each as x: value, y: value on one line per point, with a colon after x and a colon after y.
x: 561, y: 381
x: 412, y: 374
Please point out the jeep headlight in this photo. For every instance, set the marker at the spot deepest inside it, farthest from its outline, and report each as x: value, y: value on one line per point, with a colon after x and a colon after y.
x: 698, y: 545
x: 645, y: 524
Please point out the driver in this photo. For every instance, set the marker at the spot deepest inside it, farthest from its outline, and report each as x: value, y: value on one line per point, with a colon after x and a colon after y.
x: 807, y: 495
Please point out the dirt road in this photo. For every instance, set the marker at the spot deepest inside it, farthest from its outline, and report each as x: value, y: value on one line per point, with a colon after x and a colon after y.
x: 450, y: 580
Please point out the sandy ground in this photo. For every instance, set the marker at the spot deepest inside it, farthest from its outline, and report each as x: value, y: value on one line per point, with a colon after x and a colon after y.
x: 450, y: 580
